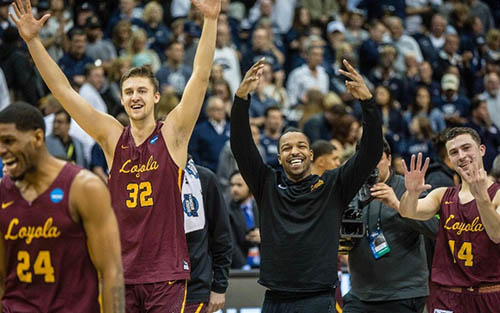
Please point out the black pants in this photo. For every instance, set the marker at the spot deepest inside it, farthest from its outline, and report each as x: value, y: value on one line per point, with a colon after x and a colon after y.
x: 323, y: 303
x: 353, y: 304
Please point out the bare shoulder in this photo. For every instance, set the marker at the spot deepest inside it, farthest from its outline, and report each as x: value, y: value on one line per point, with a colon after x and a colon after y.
x: 87, y: 187
x: 438, y: 193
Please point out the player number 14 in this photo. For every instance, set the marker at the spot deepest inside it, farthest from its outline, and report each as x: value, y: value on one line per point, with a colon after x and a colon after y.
x: 41, y: 266
x: 464, y: 253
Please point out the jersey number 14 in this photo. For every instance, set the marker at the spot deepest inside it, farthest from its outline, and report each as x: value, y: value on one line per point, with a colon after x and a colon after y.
x: 464, y: 253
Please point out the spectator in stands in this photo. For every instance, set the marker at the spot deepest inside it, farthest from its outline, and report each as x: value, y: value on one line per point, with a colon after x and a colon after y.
x: 157, y: 32
x: 122, y: 33
x: 53, y: 33
x: 404, y: 44
x: 127, y: 11
x: 61, y: 145
x: 419, y: 140
x: 221, y: 89
x: 117, y: 68
x: 325, y: 157
x: 272, y: 85
x: 98, y: 48
x: 345, y: 132
x: 320, y: 126
x: 244, y: 219
x: 392, y: 119
x: 140, y: 54
x: 74, y: 61
x: 19, y: 72
x: 368, y: 52
x: 416, y: 12
x: 98, y: 163
x: 385, y: 74
x: 492, y: 96
x: 94, y: 79
x: 335, y: 34
x: 448, y: 55
x: 480, y: 121
x: 495, y: 171
x: 173, y: 73
x: 453, y: 105
x: 308, y: 76
x: 227, y: 163
x: 440, y: 172
x: 493, y: 42
x: 321, y: 11
x: 210, y: 136
x: 301, y: 28
x: 354, y: 33
x: 481, y: 10
x: 425, y: 78
x: 4, y: 16
x: 82, y: 12
x: 227, y: 56
x: 258, y: 106
x: 262, y: 46
x: 273, y: 125
x: 423, y: 106
x: 388, y: 268
x: 4, y: 91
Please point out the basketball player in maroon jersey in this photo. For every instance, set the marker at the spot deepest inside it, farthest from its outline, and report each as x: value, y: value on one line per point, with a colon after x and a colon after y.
x: 146, y: 161
x: 466, y: 266
x: 58, y: 230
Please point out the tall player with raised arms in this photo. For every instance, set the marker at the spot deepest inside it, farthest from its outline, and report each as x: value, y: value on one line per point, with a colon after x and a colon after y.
x: 146, y: 161
x: 466, y: 265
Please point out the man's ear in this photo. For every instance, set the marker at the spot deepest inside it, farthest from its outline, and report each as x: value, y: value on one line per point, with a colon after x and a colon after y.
x: 279, y: 159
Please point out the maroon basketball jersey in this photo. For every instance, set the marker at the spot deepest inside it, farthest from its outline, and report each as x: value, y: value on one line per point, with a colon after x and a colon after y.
x: 48, y: 263
x: 464, y: 256
x: 145, y: 190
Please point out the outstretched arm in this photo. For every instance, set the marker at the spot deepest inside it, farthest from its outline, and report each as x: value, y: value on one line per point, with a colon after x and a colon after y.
x: 246, y: 154
x: 103, y: 239
x: 410, y: 205
x: 355, y: 172
x: 180, y: 122
x: 102, y: 127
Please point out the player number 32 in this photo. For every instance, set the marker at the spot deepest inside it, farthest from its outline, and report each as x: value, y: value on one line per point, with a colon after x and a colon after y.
x: 139, y: 194
x: 41, y: 266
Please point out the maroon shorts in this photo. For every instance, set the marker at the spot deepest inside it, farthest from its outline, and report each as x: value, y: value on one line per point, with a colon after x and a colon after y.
x: 164, y: 297
x: 445, y: 301
x: 196, y: 308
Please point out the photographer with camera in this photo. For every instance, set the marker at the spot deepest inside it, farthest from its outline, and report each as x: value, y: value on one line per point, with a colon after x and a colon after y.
x: 388, y: 266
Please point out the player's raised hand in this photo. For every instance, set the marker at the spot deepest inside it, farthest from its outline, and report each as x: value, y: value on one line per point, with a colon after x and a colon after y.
x: 27, y: 25
x: 251, y: 79
x: 209, y: 8
x: 356, y: 86
x: 415, y: 177
x: 477, y: 179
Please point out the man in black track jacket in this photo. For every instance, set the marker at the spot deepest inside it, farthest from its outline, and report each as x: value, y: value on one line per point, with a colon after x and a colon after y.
x: 300, y: 213
x: 208, y: 236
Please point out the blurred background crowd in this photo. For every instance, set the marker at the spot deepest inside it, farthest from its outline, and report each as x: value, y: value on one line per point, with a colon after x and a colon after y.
x: 431, y: 64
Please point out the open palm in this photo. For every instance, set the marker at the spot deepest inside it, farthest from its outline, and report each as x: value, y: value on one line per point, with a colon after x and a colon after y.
x: 209, y: 8
x: 26, y: 23
x: 415, y: 177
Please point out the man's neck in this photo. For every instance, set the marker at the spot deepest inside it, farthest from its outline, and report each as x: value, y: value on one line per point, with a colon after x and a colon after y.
x: 142, y: 129
x: 64, y: 138
x: 274, y: 134
x: 173, y: 64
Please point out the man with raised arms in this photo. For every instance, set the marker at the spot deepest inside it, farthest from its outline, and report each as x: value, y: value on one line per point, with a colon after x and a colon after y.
x: 466, y: 265
x: 146, y: 161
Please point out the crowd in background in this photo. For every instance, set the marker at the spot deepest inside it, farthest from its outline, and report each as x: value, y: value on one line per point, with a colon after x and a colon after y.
x: 431, y: 64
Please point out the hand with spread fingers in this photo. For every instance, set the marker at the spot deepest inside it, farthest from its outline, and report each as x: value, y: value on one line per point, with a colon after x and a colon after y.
x: 477, y: 179
x: 356, y: 86
x: 209, y: 8
x: 415, y: 177
x: 251, y: 79
x: 27, y: 25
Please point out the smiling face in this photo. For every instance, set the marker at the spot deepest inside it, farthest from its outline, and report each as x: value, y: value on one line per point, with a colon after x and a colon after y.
x: 139, y: 97
x: 18, y: 149
x: 463, y: 151
x: 295, y: 155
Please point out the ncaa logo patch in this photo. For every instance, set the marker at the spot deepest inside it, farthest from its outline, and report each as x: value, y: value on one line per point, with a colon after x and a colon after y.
x: 56, y: 195
x: 190, y: 205
x: 154, y: 139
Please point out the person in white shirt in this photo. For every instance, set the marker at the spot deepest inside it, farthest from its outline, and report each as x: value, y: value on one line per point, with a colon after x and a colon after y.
x: 492, y: 97
x: 227, y: 57
x: 307, y: 76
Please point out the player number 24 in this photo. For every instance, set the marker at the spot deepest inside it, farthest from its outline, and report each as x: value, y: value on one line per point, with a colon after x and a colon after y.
x: 42, y: 266
x: 139, y: 194
x: 464, y: 253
